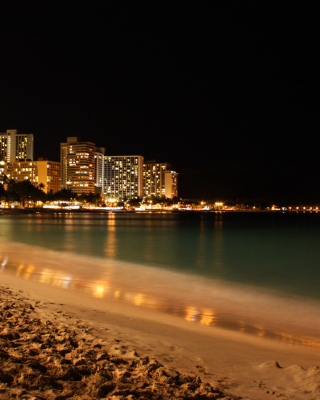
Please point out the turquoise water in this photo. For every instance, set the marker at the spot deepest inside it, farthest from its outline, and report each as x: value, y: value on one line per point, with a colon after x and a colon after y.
x: 255, y: 273
x: 278, y: 251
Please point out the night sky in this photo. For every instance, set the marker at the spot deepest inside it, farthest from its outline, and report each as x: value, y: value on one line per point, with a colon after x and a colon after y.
x: 225, y: 91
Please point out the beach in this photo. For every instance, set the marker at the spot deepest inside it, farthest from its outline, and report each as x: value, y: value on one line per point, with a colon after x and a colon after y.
x: 159, y: 307
x: 48, y: 353
x: 60, y: 345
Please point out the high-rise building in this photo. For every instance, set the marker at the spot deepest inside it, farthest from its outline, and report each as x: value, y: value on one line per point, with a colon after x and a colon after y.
x: 16, y: 146
x: 99, y: 166
x: 171, y: 184
x: 154, y: 178
x: 41, y: 171
x: 78, y: 165
x: 2, y: 171
x: 123, y: 176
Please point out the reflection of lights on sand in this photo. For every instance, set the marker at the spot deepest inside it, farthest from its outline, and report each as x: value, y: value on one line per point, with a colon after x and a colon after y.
x: 20, y: 268
x: 98, y: 291
x: 4, y: 263
x: 67, y: 282
x: 46, y: 276
x: 207, y: 317
x: 191, y: 314
x: 138, y: 299
x: 62, y: 281
x: 29, y: 271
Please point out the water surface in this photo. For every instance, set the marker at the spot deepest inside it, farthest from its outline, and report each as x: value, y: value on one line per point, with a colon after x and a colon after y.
x: 214, y: 269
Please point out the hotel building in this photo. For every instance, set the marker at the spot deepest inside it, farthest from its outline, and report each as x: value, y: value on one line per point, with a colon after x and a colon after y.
x: 2, y: 170
x: 171, y: 184
x: 41, y: 171
x: 99, y: 167
x: 15, y: 146
x: 154, y: 178
x: 78, y: 166
x: 123, y: 176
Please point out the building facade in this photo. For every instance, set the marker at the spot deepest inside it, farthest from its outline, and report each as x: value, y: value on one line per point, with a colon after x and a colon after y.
x: 16, y: 146
x: 78, y: 166
x: 154, y: 178
x: 123, y: 176
x: 41, y: 171
x: 171, y: 184
x: 99, y: 167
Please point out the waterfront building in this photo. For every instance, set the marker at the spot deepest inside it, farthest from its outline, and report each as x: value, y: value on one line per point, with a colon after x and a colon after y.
x: 78, y: 165
x: 154, y: 178
x: 16, y: 146
x: 2, y: 170
x: 99, y: 166
x: 171, y: 184
x: 123, y: 176
x: 37, y: 172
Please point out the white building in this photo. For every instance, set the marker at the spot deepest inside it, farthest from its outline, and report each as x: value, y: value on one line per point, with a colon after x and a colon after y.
x: 99, y: 166
x: 123, y: 176
x: 16, y: 146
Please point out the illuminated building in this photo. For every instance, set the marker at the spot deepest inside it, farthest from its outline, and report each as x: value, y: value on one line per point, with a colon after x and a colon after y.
x: 15, y: 146
x: 2, y: 170
x: 99, y: 166
x: 154, y: 178
x: 123, y: 176
x: 78, y: 165
x: 41, y: 171
x: 171, y: 184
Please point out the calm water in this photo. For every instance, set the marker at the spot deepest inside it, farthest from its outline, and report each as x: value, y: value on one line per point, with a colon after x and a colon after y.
x: 280, y: 251
x: 193, y: 265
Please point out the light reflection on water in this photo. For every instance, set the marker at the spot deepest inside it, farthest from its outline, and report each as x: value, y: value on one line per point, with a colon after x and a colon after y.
x: 105, y: 289
x: 266, y: 251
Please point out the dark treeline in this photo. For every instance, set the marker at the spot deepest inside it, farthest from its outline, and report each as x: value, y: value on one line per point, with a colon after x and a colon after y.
x: 25, y: 192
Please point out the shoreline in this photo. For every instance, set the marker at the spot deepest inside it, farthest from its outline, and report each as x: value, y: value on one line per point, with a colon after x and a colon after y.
x: 234, y: 364
x: 213, y: 303
x: 37, y: 210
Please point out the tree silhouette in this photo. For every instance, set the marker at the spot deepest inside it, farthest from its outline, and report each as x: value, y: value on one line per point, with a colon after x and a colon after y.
x: 24, y: 191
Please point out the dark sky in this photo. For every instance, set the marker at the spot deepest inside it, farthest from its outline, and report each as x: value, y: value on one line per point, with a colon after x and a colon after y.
x: 225, y: 91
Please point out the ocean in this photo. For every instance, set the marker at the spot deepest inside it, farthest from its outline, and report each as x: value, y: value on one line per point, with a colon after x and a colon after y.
x: 257, y: 273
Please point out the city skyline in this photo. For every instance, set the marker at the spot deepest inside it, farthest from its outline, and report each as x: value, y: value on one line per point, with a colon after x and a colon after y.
x: 227, y: 93
x: 84, y: 168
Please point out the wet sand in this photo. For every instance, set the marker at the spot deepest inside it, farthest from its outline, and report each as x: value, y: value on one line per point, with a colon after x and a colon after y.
x: 57, y: 344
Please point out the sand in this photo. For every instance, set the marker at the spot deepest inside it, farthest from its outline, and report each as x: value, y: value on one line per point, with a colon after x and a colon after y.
x: 55, y: 345
x: 45, y: 354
